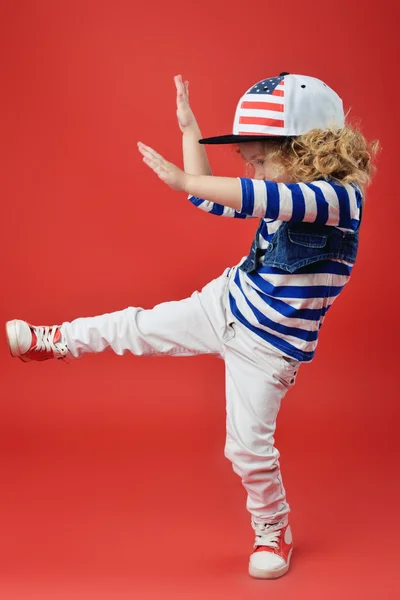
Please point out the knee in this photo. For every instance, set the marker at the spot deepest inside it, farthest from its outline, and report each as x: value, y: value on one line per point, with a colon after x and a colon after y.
x: 247, y: 461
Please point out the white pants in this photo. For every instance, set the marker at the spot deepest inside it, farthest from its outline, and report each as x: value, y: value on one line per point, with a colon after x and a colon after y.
x: 257, y: 376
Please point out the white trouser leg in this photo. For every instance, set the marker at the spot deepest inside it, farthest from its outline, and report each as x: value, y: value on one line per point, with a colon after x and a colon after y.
x: 257, y: 378
x: 194, y: 325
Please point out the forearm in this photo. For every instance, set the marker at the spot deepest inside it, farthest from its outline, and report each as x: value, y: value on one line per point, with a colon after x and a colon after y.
x: 195, y: 159
x: 226, y: 191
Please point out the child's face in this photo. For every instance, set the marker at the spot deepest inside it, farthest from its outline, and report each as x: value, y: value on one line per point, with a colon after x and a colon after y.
x: 256, y: 154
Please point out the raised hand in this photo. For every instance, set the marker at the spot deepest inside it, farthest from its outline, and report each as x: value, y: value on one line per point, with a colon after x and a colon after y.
x: 186, y: 118
x: 167, y: 172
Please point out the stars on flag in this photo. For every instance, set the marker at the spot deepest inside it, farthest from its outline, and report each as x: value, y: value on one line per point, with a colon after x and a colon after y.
x: 267, y: 86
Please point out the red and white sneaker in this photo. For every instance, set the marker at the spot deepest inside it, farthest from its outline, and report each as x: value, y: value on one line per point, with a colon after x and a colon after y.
x: 273, y: 550
x: 35, y: 342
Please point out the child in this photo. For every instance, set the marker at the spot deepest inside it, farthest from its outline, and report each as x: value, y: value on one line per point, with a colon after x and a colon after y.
x: 263, y: 315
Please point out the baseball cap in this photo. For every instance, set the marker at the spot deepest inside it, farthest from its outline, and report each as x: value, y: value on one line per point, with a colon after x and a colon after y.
x: 283, y: 107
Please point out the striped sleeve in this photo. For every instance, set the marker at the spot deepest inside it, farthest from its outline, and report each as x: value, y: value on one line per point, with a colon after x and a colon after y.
x: 218, y: 209
x: 321, y: 202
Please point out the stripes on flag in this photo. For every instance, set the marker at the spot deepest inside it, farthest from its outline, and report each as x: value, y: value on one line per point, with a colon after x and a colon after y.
x: 262, y: 108
x: 261, y: 121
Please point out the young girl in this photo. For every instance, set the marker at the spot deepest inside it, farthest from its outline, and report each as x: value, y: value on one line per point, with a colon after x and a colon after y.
x: 263, y: 315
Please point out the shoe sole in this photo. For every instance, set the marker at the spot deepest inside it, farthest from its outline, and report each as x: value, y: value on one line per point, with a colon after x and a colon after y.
x: 274, y: 574
x: 12, y: 339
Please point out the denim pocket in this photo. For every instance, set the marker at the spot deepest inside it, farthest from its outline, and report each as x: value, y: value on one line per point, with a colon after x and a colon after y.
x: 308, y: 240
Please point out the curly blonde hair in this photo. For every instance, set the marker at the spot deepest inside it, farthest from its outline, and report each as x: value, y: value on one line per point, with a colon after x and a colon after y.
x: 343, y: 155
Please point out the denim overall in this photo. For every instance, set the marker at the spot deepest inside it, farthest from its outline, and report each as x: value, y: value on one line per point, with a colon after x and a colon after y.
x: 297, y: 245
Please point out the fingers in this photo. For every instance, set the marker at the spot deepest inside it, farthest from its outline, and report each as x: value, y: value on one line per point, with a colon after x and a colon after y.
x: 181, y: 88
x: 152, y: 159
x: 154, y: 164
x: 157, y: 168
x: 177, y: 80
x: 149, y: 152
x: 166, y: 171
x: 179, y: 84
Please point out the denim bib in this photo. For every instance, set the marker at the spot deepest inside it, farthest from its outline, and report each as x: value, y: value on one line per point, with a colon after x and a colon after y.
x: 296, y: 245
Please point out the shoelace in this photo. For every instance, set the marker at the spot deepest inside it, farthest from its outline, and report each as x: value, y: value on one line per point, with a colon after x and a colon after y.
x: 45, y: 341
x: 264, y: 537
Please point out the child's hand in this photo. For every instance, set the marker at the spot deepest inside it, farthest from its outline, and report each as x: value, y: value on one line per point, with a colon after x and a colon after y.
x: 186, y: 118
x: 169, y: 173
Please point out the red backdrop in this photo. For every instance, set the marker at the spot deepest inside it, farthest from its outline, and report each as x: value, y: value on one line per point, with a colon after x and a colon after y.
x: 113, y: 479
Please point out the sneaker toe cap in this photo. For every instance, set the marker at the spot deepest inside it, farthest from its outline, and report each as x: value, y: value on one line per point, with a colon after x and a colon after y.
x: 266, y: 560
x: 24, y: 336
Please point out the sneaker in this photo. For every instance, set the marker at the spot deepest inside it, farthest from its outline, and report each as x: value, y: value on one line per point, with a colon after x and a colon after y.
x: 30, y: 342
x: 273, y: 549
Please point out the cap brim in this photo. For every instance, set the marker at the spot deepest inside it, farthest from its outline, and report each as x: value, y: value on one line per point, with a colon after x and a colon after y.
x: 238, y: 139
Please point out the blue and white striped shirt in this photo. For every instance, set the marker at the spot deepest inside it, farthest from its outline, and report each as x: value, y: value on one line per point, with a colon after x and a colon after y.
x: 288, y: 309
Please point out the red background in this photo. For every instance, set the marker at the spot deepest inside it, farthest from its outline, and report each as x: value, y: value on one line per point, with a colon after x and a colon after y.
x: 113, y: 479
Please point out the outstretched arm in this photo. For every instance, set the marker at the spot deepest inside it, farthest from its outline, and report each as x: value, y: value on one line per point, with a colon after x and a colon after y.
x: 322, y: 202
x: 224, y: 190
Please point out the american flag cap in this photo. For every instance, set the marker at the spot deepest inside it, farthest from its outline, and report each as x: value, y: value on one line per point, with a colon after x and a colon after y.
x: 283, y: 107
